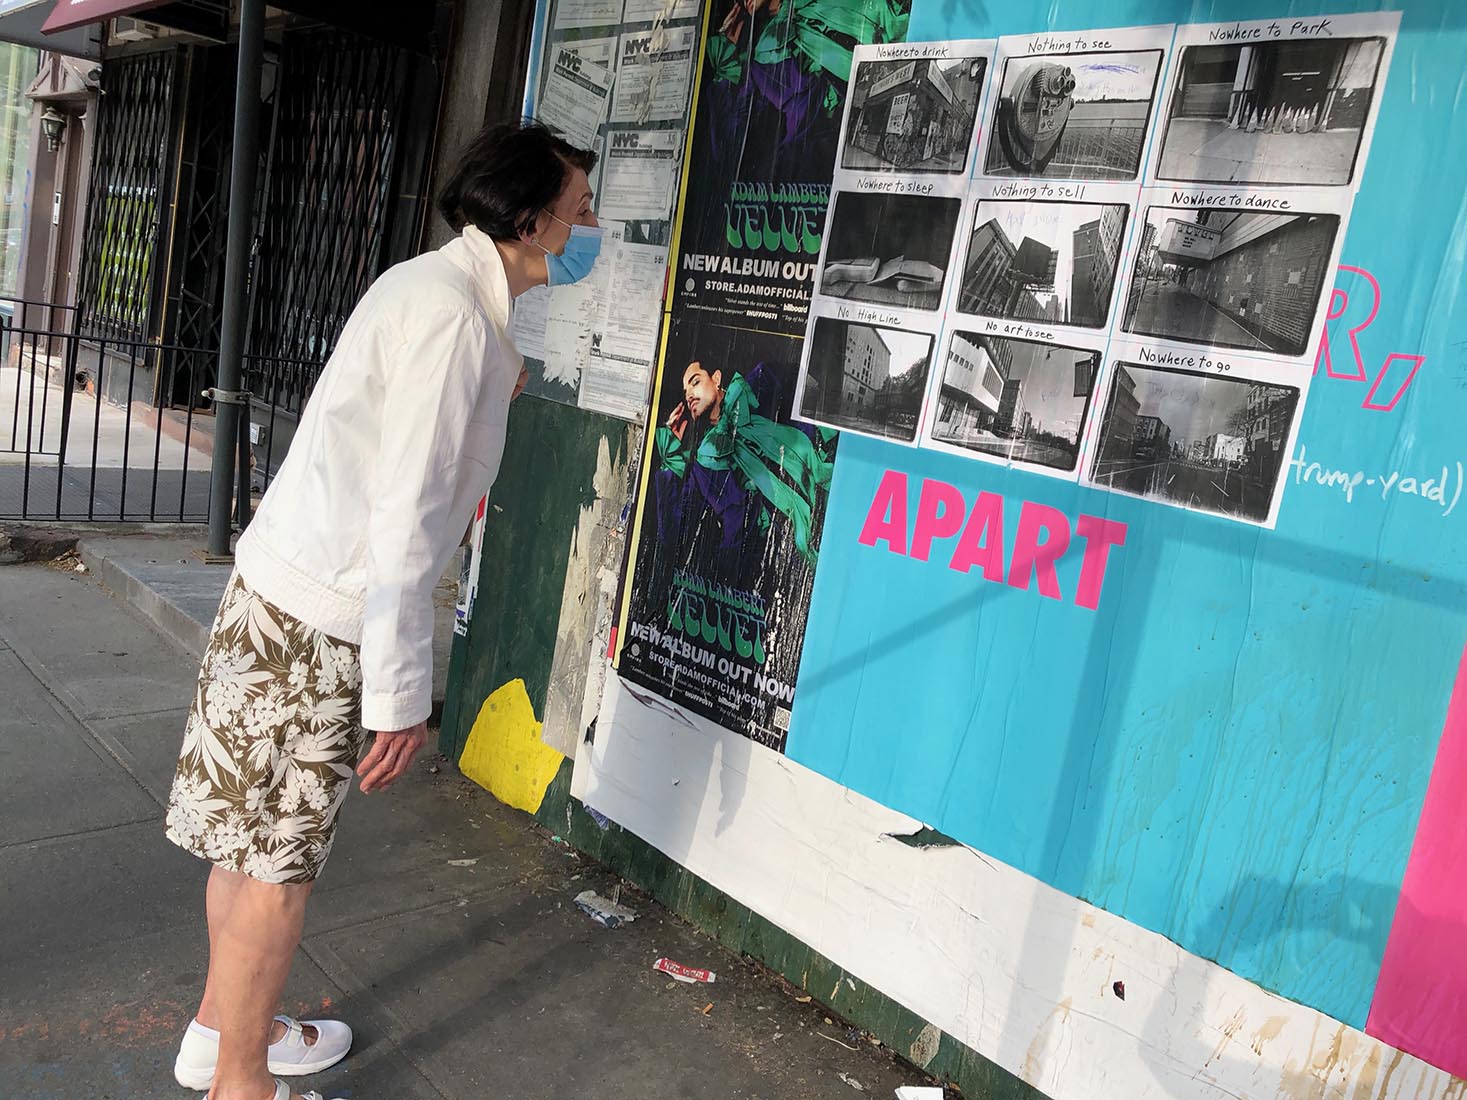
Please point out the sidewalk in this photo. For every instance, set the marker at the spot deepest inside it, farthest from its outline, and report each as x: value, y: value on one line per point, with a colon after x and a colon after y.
x: 165, y: 579
x: 463, y: 981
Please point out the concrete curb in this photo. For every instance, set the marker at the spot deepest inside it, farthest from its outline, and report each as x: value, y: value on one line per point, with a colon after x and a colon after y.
x: 171, y: 618
x: 164, y: 581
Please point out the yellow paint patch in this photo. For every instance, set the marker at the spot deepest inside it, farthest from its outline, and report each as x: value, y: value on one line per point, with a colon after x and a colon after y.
x: 505, y: 754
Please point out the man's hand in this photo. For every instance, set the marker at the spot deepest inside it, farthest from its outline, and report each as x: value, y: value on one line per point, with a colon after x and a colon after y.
x: 390, y: 756
x: 677, y: 420
x: 519, y: 386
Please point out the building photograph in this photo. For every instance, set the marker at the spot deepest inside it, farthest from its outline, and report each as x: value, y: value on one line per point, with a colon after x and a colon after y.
x: 1209, y: 443
x: 1151, y: 438
x: 889, y: 249
x: 1232, y: 279
x: 1017, y: 399
x: 1044, y: 261
x: 866, y: 379
x: 1275, y: 112
x: 913, y: 116
x: 1073, y: 116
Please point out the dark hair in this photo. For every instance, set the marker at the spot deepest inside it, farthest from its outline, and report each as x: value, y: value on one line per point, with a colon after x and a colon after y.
x: 506, y: 176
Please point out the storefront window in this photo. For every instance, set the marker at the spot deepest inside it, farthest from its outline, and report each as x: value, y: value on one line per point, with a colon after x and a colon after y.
x: 18, y: 66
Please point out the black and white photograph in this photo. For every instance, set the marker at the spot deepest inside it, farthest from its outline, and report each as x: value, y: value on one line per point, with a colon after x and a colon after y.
x: 891, y: 249
x: 1043, y: 261
x: 866, y: 378
x: 1271, y: 113
x: 1021, y: 400
x: 913, y: 116
x: 1205, y: 442
x: 1073, y: 116
x: 1229, y: 278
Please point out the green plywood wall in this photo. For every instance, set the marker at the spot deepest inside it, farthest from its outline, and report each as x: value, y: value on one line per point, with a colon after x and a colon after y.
x: 547, y: 484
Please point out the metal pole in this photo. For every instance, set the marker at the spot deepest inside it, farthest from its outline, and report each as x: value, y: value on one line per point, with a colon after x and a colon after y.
x: 227, y: 394
x: 242, y: 495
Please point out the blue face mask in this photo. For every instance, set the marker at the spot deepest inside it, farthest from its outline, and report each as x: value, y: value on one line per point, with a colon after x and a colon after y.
x: 577, y: 258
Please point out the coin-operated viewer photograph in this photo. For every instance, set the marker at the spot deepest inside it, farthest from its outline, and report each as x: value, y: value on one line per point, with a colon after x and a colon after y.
x: 1073, y: 116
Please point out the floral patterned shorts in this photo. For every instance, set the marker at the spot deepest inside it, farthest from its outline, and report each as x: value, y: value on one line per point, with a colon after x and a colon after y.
x: 271, y: 744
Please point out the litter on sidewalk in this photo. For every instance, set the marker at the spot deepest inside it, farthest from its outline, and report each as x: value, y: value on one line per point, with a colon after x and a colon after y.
x: 684, y: 973
x: 918, y: 1092
x: 603, y: 910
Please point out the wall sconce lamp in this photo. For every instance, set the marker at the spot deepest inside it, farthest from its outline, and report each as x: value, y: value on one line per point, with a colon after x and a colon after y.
x: 53, y: 124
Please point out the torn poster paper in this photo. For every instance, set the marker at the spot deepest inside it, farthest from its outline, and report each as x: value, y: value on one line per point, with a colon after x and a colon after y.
x: 641, y: 167
x: 656, y: 72
x: 648, y: 11
x: 587, y: 13
x: 527, y: 325
x: 619, y: 374
x: 600, y: 50
x: 576, y: 97
x: 577, y: 313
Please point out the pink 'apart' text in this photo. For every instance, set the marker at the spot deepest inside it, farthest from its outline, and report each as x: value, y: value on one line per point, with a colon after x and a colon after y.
x: 1042, y: 536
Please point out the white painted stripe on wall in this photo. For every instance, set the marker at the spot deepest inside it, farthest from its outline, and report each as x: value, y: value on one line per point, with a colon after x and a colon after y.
x: 1005, y: 964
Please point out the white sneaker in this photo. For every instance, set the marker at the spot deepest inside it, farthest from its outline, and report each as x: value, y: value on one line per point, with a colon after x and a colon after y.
x: 292, y: 1056
x: 282, y: 1092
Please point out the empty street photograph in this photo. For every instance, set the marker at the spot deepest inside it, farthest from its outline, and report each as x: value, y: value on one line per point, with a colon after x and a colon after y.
x: 1277, y: 112
x: 866, y: 378
x: 1043, y: 261
x: 1201, y: 441
x: 891, y: 249
x: 1073, y: 116
x: 1231, y: 279
x: 913, y: 116
x: 1016, y: 399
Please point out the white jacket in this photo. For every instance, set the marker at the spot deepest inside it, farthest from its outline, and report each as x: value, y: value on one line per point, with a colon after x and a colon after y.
x: 401, y: 437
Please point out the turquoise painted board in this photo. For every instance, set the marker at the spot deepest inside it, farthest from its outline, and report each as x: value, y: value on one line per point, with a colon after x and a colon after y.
x: 1232, y: 748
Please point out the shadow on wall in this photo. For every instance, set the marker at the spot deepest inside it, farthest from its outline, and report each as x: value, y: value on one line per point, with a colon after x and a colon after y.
x: 1231, y: 1057
x: 1266, y: 929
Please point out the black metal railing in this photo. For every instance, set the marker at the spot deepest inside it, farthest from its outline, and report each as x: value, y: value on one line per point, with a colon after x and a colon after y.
x: 32, y: 425
x: 89, y: 439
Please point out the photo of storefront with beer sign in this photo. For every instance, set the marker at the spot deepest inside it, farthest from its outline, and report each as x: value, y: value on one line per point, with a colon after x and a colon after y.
x: 913, y: 116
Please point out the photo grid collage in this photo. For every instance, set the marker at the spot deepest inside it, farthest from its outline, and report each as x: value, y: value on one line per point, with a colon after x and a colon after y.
x: 1103, y: 256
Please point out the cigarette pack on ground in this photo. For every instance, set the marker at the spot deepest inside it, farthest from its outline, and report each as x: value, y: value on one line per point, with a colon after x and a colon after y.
x: 684, y: 973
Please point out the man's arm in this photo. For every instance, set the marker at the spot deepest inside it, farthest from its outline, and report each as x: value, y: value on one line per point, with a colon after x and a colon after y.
x: 430, y: 391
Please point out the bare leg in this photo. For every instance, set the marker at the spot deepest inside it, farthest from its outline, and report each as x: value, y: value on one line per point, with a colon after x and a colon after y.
x: 223, y: 890
x: 250, y: 957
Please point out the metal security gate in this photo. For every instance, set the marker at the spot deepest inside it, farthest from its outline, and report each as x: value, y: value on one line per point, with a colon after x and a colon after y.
x: 342, y: 200
x: 101, y: 407
x: 131, y: 173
